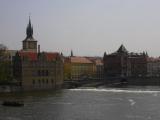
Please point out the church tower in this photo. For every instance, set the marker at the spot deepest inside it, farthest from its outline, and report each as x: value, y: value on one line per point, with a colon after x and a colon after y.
x: 29, y: 43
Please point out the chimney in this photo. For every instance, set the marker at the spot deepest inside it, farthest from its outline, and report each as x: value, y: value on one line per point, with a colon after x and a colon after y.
x: 39, y: 49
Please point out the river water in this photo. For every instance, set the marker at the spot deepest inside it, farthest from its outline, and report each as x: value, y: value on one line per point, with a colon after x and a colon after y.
x: 134, y: 103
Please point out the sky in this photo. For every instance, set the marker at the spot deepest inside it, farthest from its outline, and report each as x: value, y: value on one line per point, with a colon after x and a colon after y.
x: 88, y: 27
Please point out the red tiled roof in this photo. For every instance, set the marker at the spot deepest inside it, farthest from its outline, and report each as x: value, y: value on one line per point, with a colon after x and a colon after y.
x: 96, y: 60
x: 51, y: 56
x: 34, y: 56
x: 31, y: 55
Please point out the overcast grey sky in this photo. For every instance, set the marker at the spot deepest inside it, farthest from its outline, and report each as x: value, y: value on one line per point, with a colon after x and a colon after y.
x: 88, y: 27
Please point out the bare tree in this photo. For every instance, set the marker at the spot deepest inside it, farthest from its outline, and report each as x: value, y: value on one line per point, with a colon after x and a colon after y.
x: 3, y: 48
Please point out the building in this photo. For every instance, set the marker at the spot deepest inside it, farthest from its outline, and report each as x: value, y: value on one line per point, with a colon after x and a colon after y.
x: 124, y: 64
x: 38, y: 70
x: 10, y: 56
x: 78, y: 68
x: 34, y: 69
x: 98, y: 67
x: 138, y: 64
x: 117, y: 64
x: 153, y: 67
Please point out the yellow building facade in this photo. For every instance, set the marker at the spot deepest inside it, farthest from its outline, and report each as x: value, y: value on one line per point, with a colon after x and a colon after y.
x: 78, y: 68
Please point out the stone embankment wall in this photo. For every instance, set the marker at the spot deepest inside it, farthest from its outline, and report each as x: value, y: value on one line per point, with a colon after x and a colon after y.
x: 139, y: 81
x: 149, y: 81
x: 9, y: 88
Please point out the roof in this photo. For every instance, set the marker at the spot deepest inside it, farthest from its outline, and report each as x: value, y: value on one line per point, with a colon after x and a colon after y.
x: 99, y: 62
x: 33, y: 56
x: 122, y: 49
x: 152, y: 59
x: 52, y: 56
x: 96, y: 60
x: 80, y: 60
x: 30, y: 39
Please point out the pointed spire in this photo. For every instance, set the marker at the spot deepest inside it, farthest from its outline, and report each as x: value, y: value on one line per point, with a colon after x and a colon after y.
x: 61, y: 54
x: 104, y: 54
x: 29, y: 30
x: 122, y: 49
x: 29, y: 20
x: 71, y: 53
x: 146, y: 54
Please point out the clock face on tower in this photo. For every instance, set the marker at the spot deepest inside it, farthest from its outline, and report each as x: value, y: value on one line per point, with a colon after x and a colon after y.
x: 31, y: 45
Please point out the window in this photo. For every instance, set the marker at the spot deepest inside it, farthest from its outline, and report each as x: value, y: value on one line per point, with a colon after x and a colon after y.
x: 39, y: 73
x: 39, y: 81
x: 42, y: 72
x: 33, y: 82
x: 46, y: 72
x: 43, y: 81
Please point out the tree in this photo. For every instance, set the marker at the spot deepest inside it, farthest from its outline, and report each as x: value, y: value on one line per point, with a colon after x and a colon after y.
x: 2, y: 52
x: 5, y: 65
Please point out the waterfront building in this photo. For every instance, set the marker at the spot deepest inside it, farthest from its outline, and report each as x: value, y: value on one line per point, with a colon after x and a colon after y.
x: 153, y: 67
x: 38, y: 70
x: 117, y: 64
x: 124, y: 64
x: 78, y: 68
x: 34, y: 69
x: 10, y: 55
x: 138, y: 63
x: 67, y: 68
x: 98, y: 67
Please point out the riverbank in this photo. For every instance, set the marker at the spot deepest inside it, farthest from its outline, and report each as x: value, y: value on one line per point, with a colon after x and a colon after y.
x: 114, y: 82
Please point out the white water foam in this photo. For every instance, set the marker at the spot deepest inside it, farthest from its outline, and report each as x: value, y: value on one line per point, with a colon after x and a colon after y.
x: 117, y: 90
x: 132, y: 102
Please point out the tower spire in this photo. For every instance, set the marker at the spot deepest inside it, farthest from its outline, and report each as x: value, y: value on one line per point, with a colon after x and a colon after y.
x: 71, y: 53
x: 29, y: 43
x: 29, y: 30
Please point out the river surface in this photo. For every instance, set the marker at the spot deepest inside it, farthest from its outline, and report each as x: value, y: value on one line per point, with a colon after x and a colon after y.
x: 135, y: 103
